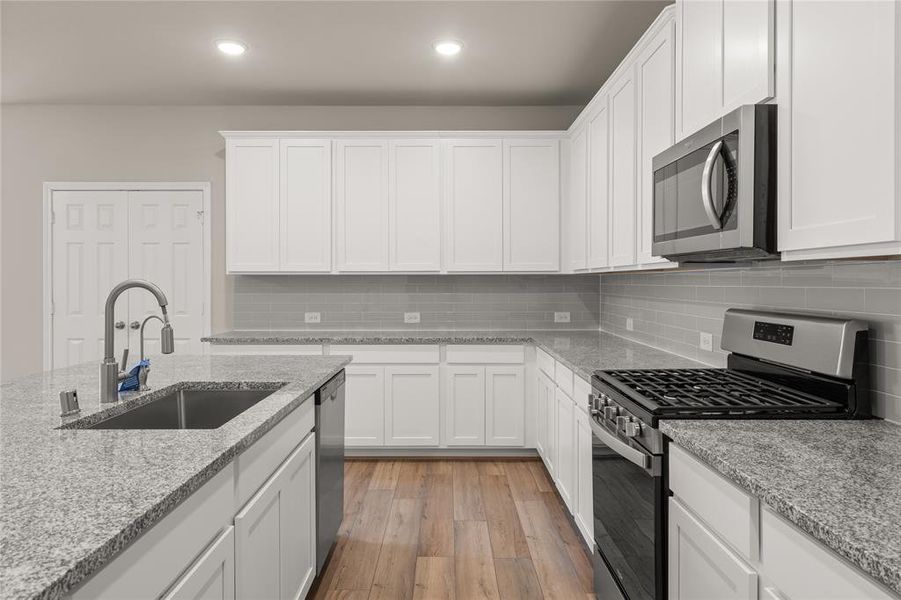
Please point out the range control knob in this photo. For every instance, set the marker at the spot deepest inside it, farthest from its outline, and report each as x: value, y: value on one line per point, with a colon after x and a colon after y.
x: 633, y: 429
x: 621, y: 422
x: 611, y: 412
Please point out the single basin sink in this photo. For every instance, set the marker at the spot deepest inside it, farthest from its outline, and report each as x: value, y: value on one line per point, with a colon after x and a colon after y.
x: 186, y: 409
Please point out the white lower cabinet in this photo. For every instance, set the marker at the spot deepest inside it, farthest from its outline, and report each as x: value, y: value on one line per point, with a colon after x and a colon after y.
x: 505, y: 394
x: 584, y: 506
x: 275, y: 541
x: 212, y: 576
x: 412, y: 405
x: 546, y: 412
x: 464, y: 414
x: 701, y: 567
x: 565, y: 475
x: 364, y: 412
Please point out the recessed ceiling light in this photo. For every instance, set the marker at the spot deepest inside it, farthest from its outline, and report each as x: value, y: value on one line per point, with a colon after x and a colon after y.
x: 448, y: 47
x: 231, y: 47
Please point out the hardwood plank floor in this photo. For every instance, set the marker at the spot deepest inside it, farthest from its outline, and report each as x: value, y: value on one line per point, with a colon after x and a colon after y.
x: 454, y: 530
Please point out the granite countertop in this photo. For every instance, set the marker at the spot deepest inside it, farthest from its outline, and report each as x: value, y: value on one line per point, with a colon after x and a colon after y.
x: 840, y: 481
x: 582, y: 351
x: 71, y: 499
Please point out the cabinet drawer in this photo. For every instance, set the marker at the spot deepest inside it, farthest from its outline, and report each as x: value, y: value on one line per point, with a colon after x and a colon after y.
x: 563, y: 377
x: 389, y: 353
x: 289, y: 349
x: 476, y: 354
x: 732, y: 513
x: 799, y: 568
x: 257, y: 463
x: 545, y: 362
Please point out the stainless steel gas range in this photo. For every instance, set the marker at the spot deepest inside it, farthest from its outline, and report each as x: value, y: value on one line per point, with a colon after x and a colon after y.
x: 780, y: 366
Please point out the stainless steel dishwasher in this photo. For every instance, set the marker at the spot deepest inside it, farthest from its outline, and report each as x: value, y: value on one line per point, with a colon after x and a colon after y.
x: 329, y: 465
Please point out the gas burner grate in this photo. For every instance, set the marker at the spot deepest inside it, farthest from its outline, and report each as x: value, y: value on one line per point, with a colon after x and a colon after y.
x: 675, y: 391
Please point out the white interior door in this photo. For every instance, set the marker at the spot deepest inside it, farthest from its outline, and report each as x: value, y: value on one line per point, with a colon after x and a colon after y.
x: 166, y: 248
x: 90, y: 255
x: 101, y: 237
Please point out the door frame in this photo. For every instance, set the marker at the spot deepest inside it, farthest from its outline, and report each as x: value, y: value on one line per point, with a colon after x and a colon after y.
x: 119, y: 186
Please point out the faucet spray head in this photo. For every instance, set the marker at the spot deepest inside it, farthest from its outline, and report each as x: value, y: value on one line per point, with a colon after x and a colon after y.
x: 167, y: 336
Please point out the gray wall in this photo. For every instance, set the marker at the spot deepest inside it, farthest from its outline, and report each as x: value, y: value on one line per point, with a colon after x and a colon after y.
x: 164, y: 143
x: 497, y: 302
x: 671, y: 309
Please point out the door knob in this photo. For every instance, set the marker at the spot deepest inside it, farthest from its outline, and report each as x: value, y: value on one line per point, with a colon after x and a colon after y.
x: 120, y: 324
x: 135, y: 325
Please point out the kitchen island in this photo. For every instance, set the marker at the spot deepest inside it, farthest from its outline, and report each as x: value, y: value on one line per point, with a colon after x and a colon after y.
x: 71, y: 500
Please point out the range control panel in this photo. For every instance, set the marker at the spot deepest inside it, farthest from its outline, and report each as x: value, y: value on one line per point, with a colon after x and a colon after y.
x: 775, y: 333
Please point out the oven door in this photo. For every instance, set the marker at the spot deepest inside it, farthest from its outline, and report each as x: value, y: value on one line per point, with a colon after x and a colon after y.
x: 629, y: 522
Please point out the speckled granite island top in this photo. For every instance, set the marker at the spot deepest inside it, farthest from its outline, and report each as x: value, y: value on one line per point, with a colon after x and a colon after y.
x: 71, y: 499
x: 840, y: 481
x: 582, y: 351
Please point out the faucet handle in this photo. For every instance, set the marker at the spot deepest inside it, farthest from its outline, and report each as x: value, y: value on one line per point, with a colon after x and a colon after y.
x: 124, y: 362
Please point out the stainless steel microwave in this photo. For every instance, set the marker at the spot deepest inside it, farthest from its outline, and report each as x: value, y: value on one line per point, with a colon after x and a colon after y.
x: 715, y: 191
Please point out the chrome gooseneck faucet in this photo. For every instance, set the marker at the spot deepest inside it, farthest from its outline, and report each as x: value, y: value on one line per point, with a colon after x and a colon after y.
x: 110, y: 373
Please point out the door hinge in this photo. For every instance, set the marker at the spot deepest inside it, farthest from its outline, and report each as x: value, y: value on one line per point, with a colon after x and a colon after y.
x: 200, y: 215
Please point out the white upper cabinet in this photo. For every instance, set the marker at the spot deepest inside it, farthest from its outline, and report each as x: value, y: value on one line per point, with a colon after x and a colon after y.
x: 305, y: 205
x: 531, y: 205
x: 656, y: 127
x: 576, y: 204
x: 473, y: 179
x: 414, y: 205
x: 622, y: 170
x: 599, y: 185
x: 252, y: 212
x: 837, y: 126
x: 361, y: 205
x: 725, y: 54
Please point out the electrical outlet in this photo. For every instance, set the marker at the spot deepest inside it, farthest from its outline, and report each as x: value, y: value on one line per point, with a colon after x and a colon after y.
x: 561, y: 317
x: 312, y: 317
x: 411, y: 317
x: 706, y: 341
x: 630, y: 324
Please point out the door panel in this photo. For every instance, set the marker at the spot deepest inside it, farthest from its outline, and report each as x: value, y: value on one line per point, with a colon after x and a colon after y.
x: 465, y: 406
x: 306, y: 205
x: 414, y: 205
x: 577, y: 202
x: 412, y: 406
x: 505, y: 406
x: 298, y: 522
x: 212, y: 576
x: 622, y: 171
x: 361, y: 205
x: 599, y: 187
x: 90, y: 255
x: 364, y: 399
x: 252, y: 219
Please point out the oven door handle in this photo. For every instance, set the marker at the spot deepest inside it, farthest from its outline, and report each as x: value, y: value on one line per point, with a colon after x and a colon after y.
x: 707, y: 184
x: 633, y: 455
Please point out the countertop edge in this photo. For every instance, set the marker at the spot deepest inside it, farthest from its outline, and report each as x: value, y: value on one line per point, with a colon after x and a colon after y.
x: 109, y: 551
x: 873, y: 566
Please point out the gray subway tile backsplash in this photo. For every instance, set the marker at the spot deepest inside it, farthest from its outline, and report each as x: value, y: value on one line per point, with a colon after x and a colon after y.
x: 449, y: 302
x: 667, y: 316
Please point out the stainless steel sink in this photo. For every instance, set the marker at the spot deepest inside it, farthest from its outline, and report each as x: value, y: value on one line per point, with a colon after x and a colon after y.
x: 186, y: 409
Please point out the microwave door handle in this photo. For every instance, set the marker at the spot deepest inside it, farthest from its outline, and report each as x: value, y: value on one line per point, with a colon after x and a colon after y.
x: 706, y: 186
x: 633, y: 455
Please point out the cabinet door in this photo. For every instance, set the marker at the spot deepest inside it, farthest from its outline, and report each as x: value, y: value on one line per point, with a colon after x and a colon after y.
x: 364, y: 400
x: 584, y: 513
x: 700, y: 66
x: 622, y: 170
x: 414, y: 205
x: 464, y: 398
x: 212, y: 576
x: 306, y: 205
x: 748, y: 52
x: 700, y: 566
x: 298, y: 521
x: 541, y: 414
x: 473, y: 205
x: 656, y: 128
x: 505, y: 406
x: 599, y: 186
x: 576, y: 224
x: 361, y: 205
x: 252, y: 205
x: 550, y: 424
x: 531, y: 205
x: 837, y: 185
x: 566, y: 467
x: 412, y: 405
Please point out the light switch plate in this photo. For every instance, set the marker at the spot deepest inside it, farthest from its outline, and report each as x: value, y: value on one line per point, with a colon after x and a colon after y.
x: 630, y: 324
x: 411, y: 317
x: 312, y: 317
x: 706, y: 341
x: 561, y: 317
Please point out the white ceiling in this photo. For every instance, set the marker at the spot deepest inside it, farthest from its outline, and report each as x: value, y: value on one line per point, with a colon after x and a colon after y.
x: 334, y: 52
